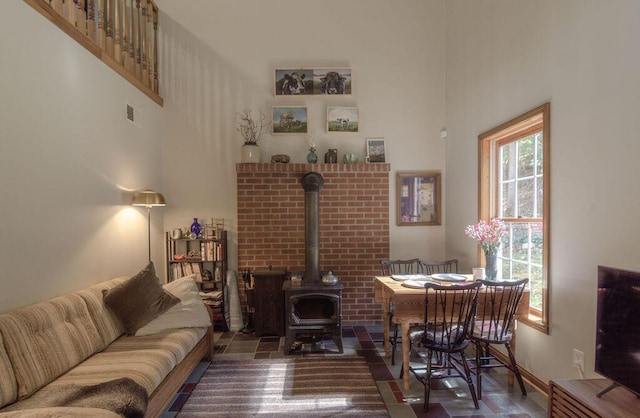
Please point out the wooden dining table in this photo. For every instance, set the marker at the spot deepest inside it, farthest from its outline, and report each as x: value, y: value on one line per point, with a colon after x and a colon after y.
x: 408, y: 309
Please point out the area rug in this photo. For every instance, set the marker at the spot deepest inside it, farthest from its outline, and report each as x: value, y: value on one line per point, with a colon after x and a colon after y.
x: 309, y: 386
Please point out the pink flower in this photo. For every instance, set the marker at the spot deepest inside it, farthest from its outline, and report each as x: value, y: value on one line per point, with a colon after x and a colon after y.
x: 489, y: 234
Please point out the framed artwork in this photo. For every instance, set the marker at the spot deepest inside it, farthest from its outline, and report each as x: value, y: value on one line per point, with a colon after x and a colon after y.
x: 332, y: 81
x: 290, y: 82
x: 376, y: 152
x: 289, y: 120
x: 309, y: 81
x: 418, y: 197
x: 342, y: 119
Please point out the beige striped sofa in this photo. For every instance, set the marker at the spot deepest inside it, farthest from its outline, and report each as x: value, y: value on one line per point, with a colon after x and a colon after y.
x: 76, y: 339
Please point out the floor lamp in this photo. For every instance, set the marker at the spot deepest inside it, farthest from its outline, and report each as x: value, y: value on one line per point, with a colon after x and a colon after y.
x: 148, y: 199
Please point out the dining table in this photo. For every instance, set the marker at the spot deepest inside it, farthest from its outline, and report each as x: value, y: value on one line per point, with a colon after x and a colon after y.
x: 408, y: 309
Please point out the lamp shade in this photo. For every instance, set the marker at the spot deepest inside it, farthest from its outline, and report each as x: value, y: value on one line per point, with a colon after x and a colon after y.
x: 148, y: 198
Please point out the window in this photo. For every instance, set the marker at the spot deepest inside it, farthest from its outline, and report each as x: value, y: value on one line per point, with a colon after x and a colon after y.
x: 514, y: 186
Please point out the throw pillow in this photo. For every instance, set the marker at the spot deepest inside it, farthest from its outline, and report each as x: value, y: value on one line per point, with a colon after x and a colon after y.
x: 139, y: 299
x: 190, y: 312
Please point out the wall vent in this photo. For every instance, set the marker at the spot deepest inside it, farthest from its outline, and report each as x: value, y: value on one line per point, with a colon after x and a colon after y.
x: 132, y: 115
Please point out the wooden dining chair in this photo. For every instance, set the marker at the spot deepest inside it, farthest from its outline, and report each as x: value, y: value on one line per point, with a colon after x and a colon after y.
x: 390, y: 267
x: 433, y: 267
x: 409, y: 266
x: 497, y: 307
x: 448, y: 313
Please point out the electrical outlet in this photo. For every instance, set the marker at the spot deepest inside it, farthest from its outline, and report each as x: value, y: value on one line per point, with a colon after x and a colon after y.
x: 578, y: 359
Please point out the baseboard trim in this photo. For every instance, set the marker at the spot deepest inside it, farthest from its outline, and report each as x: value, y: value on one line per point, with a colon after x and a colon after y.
x: 540, y: 385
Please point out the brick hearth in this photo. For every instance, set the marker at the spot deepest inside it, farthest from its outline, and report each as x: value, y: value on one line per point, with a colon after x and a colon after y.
x: 354, y: 225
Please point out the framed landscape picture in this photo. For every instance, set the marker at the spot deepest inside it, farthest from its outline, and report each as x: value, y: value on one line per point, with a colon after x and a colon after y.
x: 289, y: 120
x: 376, y: 152
x: 342, y: 119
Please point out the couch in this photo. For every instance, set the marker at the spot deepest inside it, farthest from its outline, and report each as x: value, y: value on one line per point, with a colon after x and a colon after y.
x: 119, y: 348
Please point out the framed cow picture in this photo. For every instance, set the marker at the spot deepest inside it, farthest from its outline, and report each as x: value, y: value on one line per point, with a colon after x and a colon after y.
x: 290, y: 82
x: 376, y: 152
x: 342, y: 119
x: 332, y: 81
x: 309, y: 81
x: 289, y: 120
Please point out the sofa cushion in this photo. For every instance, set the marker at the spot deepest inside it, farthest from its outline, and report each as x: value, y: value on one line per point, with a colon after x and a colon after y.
x: 147, y: 360
x: 108, y: 325
x: 139, y: 300
x: 190, y: 312
x: 47, y: 339
x: 8, y: 385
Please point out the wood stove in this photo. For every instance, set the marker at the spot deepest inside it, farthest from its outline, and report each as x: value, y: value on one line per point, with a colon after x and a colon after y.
x: 313, y: 313
x: 313, y: 310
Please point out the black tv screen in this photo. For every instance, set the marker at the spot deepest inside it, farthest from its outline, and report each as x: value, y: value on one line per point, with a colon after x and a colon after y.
x: 618, y: 327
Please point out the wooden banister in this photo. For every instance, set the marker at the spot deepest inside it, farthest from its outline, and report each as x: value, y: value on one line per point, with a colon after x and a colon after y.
x: 121, y: 33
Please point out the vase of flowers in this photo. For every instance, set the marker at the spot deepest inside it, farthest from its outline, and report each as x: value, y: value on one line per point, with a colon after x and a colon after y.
x: 489, y: 235
x: 251, y: 126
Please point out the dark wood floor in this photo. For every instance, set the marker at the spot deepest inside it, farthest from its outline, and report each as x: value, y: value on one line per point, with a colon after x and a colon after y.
x: 450, y: 399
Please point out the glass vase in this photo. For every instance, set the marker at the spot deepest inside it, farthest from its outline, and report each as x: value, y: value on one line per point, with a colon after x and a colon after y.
x: 491, y: 266
x: 195, y: 228
x: 312, y: 157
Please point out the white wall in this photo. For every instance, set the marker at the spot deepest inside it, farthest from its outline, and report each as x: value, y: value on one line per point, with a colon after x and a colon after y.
x: 224, y: 63
x: 67, y: 157
x: 505, y: 57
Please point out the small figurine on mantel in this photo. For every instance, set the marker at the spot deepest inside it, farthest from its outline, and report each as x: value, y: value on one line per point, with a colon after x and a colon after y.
x: 331, y: 157
x: 280, y: 158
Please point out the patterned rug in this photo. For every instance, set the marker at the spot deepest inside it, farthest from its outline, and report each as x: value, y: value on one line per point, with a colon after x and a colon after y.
x: 313, y: 386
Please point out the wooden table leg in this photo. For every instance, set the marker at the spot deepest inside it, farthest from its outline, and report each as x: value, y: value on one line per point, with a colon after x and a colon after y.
x: 405, y: 353
x: 385, y: 322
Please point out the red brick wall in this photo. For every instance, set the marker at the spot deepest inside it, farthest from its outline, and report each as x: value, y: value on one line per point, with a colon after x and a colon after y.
x: 354, y: 225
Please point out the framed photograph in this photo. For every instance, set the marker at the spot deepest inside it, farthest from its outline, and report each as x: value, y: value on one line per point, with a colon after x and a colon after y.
x: 342, y: 119
x: 289, y: 120
x: 290, y: 82
x: 418, y: 197
x: 309, y: 81
x: 332, y: 81
x: 376, y: 152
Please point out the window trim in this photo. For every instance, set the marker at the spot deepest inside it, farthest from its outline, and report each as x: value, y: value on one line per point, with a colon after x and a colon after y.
x: 520, y: 126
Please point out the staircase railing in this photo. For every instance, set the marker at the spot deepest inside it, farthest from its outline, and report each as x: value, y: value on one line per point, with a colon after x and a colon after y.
x: 122, y: 33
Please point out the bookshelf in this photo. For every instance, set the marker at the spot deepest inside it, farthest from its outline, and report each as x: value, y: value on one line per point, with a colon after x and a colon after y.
x: 207, y: 259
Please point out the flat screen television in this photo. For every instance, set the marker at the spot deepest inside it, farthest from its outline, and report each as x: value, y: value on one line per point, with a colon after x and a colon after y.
x: 618, y: 328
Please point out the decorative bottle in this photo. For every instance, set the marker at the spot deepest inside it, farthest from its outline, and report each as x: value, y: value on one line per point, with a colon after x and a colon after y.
x: 195, y: 228
x: 312, y: 157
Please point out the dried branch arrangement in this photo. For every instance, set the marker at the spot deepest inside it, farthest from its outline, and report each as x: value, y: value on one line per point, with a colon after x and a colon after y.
x: 252, y: 126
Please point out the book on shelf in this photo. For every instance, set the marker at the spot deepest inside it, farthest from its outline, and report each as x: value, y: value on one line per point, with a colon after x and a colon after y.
x: 185, y: 269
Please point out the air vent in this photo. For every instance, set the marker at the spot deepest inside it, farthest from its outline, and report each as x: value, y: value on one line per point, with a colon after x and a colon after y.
x: 132, y: 115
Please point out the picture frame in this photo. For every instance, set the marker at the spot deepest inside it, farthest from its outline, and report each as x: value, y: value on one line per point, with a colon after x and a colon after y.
x: 376, y: 151
x: 289, y: 120
x: 332, y: 81
x: 418, y: 198
x: 342, y: 119
x: 312, y: 81
x: 293, y: 82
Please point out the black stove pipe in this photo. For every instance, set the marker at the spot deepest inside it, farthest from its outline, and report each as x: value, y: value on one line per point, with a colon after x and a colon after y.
x: 312, y: 183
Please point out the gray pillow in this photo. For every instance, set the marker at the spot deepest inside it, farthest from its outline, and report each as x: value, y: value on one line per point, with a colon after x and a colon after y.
x: 139, y: 300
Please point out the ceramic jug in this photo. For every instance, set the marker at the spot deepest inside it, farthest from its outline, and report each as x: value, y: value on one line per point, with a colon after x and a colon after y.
x: 331, y: 156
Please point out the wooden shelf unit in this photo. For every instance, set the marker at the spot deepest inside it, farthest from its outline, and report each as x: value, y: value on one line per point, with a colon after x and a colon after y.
x: 207, y: 259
